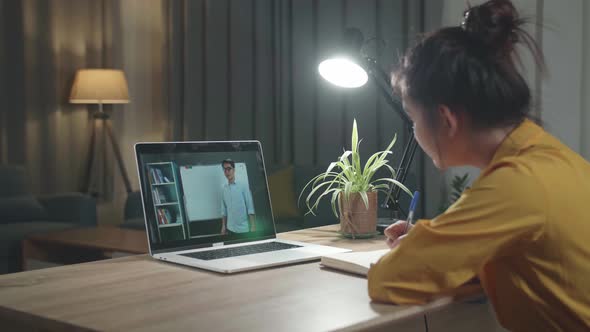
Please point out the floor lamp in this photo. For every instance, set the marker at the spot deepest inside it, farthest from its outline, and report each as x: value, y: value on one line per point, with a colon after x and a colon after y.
x: 351, y: 68
x: 101, y: 86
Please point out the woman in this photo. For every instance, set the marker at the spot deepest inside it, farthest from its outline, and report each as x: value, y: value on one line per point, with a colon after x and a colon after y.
x: 523, y: 227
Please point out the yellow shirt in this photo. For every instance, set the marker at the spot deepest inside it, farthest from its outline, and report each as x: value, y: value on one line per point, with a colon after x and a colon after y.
x: 523, y: 228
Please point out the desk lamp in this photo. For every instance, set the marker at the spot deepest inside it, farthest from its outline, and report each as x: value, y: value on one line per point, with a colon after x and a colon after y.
x: 351, y: 69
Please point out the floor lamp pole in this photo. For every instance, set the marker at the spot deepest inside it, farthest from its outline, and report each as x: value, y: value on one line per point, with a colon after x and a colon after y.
x: 114, y: 144
x: 117, y: 151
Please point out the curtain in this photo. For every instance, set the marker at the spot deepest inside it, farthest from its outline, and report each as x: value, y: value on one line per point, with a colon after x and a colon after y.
x: 44, y: 43
x: 248, y: 70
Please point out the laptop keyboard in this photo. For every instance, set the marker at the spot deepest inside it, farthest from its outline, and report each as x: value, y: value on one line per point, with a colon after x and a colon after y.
x: 240, y: 251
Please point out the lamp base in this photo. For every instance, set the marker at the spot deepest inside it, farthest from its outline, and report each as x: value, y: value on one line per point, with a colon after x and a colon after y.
x: 100, y: 115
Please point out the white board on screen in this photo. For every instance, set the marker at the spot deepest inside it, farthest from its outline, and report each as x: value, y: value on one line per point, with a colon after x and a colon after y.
x: 202, y: 185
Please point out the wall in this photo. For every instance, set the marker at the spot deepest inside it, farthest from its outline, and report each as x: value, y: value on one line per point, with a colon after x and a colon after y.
x: 562, y: 90
x: 585, y: 120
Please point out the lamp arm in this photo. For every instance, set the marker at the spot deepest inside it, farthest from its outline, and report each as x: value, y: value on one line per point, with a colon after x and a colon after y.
x: 402, y: 173
x: 380, y: 79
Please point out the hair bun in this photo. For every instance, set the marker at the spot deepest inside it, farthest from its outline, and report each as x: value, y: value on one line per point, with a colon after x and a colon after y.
x: 495, y: 23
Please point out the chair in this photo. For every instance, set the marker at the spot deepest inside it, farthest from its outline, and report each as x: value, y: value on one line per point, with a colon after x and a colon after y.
x: 133, y: 214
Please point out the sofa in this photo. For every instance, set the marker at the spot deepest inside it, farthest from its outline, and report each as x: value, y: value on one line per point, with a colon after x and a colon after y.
x: 285, y: 185
x: 22, y: 213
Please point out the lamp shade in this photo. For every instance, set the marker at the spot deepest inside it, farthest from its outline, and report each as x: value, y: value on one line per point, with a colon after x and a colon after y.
x: 99, y: 86
x: 344, y: 69
x: 343, y: 72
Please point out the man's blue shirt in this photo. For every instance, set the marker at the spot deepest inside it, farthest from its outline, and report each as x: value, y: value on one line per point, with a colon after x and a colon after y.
x: 236, y: 205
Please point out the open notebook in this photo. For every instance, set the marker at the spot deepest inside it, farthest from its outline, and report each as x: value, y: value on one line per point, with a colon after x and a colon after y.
x: 353, y: 262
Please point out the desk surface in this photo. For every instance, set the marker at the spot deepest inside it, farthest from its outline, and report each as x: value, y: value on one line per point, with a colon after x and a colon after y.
x: 139, y: 293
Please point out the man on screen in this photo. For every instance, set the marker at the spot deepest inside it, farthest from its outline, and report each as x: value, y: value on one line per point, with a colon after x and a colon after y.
x: 237, y: 209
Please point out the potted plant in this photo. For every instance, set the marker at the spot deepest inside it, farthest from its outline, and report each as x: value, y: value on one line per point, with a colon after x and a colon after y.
x: 352, y: 189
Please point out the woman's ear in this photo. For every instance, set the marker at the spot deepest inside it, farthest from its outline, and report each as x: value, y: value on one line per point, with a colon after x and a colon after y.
x: 449, y: 120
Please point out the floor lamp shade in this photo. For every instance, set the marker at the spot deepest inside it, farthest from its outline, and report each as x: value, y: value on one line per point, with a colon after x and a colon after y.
x: 99, y: 86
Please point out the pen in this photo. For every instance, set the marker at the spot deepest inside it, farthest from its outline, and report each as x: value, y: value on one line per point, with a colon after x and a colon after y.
x: 413, y: 204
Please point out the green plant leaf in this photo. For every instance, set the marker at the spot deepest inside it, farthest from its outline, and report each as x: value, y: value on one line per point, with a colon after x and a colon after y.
x: 382, y: 186
x: 345, y: 155
x: 347, y: 190
x: 313, y: 181
x: 355, y: 136
x: 365, y: 199
x: 325, y: 193
x: 397, y: 183
x: 373, y: 160
x: 331, y: 166
x: 335, y: 195
x: 389, y: 147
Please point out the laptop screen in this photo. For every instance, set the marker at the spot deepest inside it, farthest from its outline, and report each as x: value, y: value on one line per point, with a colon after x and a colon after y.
x: 200, y: 193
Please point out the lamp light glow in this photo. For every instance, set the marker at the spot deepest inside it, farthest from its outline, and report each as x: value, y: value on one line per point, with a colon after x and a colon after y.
x: 343, y: 72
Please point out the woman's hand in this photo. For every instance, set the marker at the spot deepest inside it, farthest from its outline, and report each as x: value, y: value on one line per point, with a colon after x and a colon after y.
x: 395, y: 232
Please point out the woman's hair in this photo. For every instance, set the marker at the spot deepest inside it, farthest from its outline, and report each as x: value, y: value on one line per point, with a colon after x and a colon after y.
x: 472, y: 67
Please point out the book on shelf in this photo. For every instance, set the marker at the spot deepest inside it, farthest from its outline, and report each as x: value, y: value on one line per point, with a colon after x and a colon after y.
x: 155, y: 175
x: 155, y: 196
x: 163, y: 216
x: 152, y: 175
x: 162, y: 196
x: 168, y: 216
x: 357, y: 262
x: 159, y: 196
x: 160, y: 175
x: 159, y: 216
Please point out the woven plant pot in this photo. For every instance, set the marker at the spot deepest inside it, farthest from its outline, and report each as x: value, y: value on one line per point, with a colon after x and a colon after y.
x: 356, y: 221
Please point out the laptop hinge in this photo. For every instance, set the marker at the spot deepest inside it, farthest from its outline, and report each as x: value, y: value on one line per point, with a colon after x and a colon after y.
x: 217, y: 244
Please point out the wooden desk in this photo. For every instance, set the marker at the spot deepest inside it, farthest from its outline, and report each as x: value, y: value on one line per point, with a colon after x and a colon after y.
x: 139, y: 293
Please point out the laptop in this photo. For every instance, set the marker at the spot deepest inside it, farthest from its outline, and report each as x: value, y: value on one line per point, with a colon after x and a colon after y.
x: 207, y: 205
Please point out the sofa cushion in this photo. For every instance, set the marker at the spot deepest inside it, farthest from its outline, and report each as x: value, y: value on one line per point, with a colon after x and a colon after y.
x: 21, y: 208
x: 282, y: 194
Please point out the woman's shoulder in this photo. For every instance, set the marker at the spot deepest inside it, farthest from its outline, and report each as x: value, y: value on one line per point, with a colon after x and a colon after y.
x: 513, y: 178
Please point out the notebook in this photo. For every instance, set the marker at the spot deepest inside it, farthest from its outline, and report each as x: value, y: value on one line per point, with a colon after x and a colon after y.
x: 207, y: 205
x: 354, y: 262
